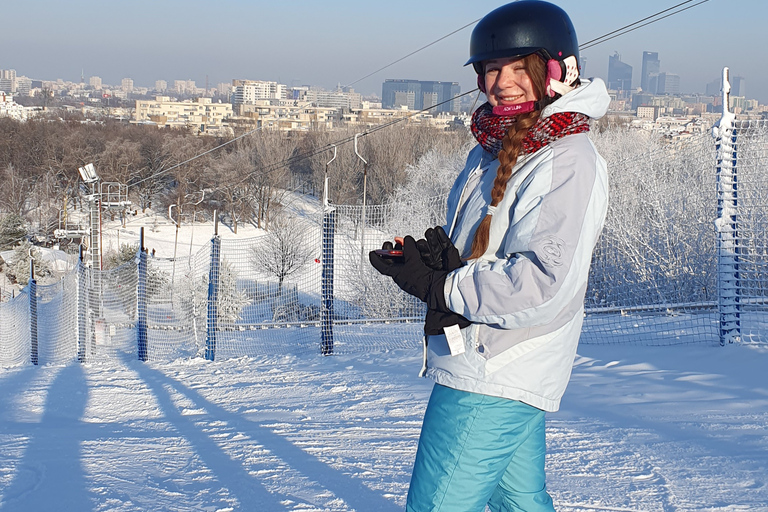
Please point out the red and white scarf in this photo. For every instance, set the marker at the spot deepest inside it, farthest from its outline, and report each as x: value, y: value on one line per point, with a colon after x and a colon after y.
x: 489, y: 129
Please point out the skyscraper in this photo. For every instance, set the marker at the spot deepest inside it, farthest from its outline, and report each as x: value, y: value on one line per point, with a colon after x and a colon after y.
x: 418, y: 95
x: 668, y: 83
x: 651, y: 66
x: 737, y: 86
x: 619, y: 74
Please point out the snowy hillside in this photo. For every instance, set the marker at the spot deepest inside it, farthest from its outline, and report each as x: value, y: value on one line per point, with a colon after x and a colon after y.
x: 641, y: 429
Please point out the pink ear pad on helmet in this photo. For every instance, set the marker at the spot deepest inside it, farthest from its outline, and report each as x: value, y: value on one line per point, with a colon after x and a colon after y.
x: 554, y: 72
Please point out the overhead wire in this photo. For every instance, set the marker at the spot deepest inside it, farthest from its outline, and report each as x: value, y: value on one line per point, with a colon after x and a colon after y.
x: 585, y: 43
x: 283, y: 163
x: 585, y: 46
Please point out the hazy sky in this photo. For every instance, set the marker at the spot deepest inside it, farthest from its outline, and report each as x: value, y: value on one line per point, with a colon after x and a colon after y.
x: 339, y: 41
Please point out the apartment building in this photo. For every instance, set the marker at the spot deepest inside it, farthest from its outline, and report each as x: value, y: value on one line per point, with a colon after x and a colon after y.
x: 201, y: 116
x: 248, y: 92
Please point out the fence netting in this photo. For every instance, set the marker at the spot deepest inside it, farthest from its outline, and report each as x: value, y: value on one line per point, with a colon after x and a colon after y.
x: 306, y: 285
x: 653, y: 274
x: 750, y: 160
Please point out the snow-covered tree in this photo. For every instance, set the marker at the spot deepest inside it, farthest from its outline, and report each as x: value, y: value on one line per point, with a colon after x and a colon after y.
x: 230, y: 300
x: 18, y: 270
x: 12, y: 231
x: 285, y: 250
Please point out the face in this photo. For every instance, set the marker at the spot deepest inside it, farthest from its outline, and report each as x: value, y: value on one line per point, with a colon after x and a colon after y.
x: 507, y: 82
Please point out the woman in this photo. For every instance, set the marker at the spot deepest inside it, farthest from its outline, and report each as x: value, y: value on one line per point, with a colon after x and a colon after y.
x: 505, y: 293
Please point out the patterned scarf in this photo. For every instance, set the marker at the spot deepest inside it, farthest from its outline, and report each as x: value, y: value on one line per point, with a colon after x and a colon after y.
x: 490, y: 129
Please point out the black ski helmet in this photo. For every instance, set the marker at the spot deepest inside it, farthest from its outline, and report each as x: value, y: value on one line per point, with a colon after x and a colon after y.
x: 522, y: 28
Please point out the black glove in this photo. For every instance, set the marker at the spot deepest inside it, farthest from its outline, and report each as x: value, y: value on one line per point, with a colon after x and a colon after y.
x: 437, y: 250
x: 412, y: 275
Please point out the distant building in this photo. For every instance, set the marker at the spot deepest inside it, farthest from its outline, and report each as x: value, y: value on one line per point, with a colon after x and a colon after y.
x: 247, y: 92
x: 420, y: 95
x: 737, y: 86
x: 161, y: 85
x: 713, y: 88
x: 619, y: 74
x: 224, y: 89
x: 95, y: 82
x: 8, y: 81
x: 667, y: 83
x: 330, y: 99
x: 651, y: 66
x: 648, y: 112
x: 202, y: 116
x: 23, y: 86
x: 127, y: 85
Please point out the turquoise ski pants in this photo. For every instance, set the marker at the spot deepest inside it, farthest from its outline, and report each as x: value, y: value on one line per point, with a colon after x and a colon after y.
x: 476, y: 450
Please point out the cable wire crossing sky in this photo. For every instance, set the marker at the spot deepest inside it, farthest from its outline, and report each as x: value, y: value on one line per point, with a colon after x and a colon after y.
x: 340, y: 42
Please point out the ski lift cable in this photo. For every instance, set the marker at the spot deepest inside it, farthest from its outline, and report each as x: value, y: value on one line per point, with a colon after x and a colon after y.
x: 585, y: 43
x: 588, y: 44
x: 287, y: 161
x: 413, y: 53
x: 164, y: 171
x: 584, y: 47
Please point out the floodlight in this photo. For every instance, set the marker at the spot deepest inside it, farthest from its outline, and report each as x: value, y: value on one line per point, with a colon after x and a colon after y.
x: 88, y: 173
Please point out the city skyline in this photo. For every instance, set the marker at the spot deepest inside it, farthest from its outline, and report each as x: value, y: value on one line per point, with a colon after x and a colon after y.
x: 339, y: 42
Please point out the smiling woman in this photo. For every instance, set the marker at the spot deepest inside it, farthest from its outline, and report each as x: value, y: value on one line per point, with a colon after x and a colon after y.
x: 504, y: 279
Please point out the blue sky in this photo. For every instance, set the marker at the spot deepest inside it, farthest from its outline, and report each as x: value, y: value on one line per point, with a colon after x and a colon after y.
x: 340, y: 41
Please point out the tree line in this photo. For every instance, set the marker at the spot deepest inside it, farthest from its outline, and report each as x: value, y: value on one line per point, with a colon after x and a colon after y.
x: 245, y: 180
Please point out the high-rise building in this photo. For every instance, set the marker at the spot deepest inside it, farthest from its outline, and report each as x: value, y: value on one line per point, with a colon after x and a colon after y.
x: 161, y: 85
x: 737, y: 86
x: 651, y: 66
x: 667, y: 83
x: 95, y: 82
x: 713, y: 88
x: 127, y: 84
x: 247, y: 91
x: 8, y: 80
x: 420, y: 94
x: 619, y: 74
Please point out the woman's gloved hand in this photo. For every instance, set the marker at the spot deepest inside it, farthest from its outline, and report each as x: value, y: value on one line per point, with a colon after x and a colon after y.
x: 412, y: 275
x: 437, y: 250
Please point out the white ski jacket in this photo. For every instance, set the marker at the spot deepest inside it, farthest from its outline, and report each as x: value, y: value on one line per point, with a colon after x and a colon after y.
x: 525, y: 295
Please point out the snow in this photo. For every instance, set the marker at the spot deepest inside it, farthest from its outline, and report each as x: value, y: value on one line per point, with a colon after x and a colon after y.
x: 641, y: 429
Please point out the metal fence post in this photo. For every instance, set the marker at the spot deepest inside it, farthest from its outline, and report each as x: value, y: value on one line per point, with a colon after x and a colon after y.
x: 81, y: 308
x: 326, y: 283
x: 141, y: 301
x: 728, y: 277
x: 213, y: 293
x: 32, y: 312
x: 326, y: 311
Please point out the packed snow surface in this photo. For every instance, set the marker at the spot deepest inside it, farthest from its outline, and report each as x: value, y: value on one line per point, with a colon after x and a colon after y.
x: 641, y: 429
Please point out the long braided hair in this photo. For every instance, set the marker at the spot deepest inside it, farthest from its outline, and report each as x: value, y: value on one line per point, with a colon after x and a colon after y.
x: 510, y: 150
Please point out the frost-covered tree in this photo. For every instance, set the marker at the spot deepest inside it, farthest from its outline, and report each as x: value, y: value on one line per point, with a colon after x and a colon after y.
x: 658, y: 242
x: 285, y: 250
x: 230, y: 299
x: 18, y: 270
x: 12, y: 231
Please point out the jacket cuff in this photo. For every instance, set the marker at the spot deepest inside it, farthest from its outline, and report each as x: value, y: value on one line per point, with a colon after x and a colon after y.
x: 436, y: 297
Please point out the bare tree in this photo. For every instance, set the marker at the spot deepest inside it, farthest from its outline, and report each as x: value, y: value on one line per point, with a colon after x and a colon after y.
x: 271, y: 151
x: 232, y: 191
x: 14, y: 194
x: 285, y: 249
